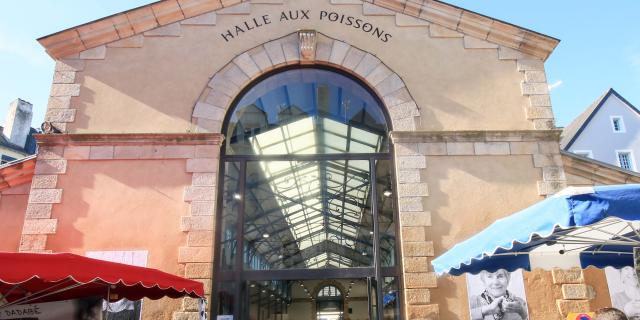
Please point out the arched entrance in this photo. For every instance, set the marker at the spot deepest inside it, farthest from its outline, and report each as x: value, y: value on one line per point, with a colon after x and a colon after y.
x: 306, y: 195
x: 329, y: 303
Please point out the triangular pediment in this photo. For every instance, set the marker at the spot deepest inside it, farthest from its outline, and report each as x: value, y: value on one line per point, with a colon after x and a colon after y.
x: 166, y: 12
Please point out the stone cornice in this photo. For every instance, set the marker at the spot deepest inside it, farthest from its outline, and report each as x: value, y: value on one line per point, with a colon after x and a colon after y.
x: 126, y: 24
x: 474, y: 136
x: 94, y: 139
x: 133, y: 22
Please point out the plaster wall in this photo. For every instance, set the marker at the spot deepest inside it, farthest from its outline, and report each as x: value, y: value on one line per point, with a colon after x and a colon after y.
x: 600, y: 138
x: 13, y: 203
x: 597, y: 279
x: 112, y: 205
x: 492, y: 187
x: 466, y: 195
x: 154, y: 88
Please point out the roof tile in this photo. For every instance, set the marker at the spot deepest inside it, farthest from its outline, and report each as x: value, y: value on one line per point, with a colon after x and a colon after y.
x: 442, y: 14
x: 142, y: 19
x: 475, y: 25
x: 70, y: 42
x: 98, y: 33
x: 506, y: 34
x: 167, y: 12
x: 396, y: 5
x: 192, y: 8
x: 64, y: 43
x: 122, y: 25
x: 228, y: 3
x: 537, y: 45
x: 414, y: 7
x: 571, y: 130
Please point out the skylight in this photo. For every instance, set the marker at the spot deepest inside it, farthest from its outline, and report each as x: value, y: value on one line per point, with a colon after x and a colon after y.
x: 319, y: 200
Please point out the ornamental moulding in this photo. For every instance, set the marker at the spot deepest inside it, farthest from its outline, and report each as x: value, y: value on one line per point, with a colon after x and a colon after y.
x: 130, y: 139
x: 474, y: 136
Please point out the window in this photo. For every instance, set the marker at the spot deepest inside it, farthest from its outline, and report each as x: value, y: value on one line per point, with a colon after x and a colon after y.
x: 329, y: 291
x: 617, y: 124
x: 625, y: 160
x: 584, y: 153
x: 329, y: 304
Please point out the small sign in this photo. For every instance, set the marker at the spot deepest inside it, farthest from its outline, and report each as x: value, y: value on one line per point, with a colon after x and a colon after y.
x: 289, y: 16
x: 224, y: 317
x: 68, y: 309
x: 581, y: 316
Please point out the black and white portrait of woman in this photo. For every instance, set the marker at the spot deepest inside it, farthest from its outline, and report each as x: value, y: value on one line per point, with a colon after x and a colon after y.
x: 624, y: 290
x: 497, y: 296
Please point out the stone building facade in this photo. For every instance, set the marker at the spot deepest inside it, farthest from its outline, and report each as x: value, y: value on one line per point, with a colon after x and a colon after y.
x: 142, y: 100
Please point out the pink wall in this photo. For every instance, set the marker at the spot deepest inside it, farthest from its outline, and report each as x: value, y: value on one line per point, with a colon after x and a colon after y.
x: 13, y: 205
x: 123, y: 205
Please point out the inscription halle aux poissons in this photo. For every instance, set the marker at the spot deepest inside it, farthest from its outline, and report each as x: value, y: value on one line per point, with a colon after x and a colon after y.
x: 293, y: 15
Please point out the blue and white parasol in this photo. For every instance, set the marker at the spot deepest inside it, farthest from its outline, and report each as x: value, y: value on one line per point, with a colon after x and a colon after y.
x: 577, y: 227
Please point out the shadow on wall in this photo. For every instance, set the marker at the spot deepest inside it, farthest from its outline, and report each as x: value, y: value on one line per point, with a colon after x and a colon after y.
x: 466, y: 194
x: 443, y: 103
x: 13, y: 206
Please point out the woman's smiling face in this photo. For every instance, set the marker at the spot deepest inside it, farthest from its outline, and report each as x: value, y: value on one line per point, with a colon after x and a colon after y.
x: 496, y: 283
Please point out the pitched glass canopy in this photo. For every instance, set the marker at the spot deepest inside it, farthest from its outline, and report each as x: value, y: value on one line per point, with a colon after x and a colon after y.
x: 306, y: 111
x: 308, y: 214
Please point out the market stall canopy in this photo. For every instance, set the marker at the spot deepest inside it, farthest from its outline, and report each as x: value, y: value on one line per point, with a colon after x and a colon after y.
x: 578, y: 227
x: 35, y: 277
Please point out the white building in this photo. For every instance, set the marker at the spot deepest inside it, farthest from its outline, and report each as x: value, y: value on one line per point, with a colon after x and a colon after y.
x: 607, y: 131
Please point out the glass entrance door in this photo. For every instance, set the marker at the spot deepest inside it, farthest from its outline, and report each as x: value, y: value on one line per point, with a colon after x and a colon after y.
x: 306, y: 206
x: 314, y: 299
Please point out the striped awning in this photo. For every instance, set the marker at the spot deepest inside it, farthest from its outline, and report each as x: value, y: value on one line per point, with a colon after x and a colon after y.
x: 578, y: 227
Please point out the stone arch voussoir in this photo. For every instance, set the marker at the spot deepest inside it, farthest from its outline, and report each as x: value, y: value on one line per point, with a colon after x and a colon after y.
x: 303, y: 48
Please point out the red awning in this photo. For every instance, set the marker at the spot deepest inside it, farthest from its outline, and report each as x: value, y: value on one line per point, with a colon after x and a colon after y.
x: 35, y: 277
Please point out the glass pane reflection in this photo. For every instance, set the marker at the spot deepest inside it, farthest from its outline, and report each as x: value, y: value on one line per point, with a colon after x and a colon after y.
x: 307, y: 111
x: 386, y: 213
x: 391, y: 298
x: 229, y: 220
x: 308, y: 214
x: 226, y: 301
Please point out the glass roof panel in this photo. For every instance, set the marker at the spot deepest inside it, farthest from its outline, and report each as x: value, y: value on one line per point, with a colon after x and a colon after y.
x: 278, y: 115
x: 335, y: 127
x: 357, y: 147
x: 314, y: 210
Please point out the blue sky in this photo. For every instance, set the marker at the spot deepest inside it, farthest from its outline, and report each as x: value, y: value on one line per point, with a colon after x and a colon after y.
x: 600, y: 45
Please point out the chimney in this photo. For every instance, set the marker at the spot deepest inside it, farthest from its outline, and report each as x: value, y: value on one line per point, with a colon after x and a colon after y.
x: 18, y: 123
